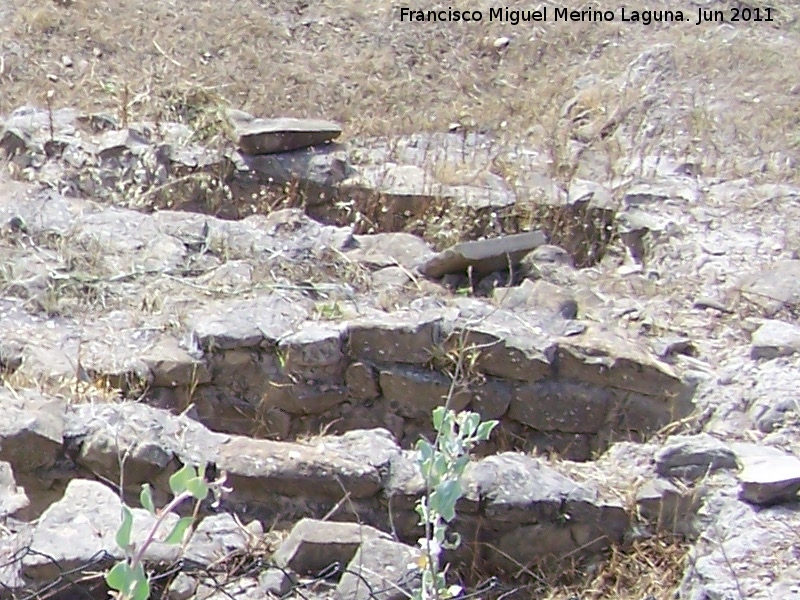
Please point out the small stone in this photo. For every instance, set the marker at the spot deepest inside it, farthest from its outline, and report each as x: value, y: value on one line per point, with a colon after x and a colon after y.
x: 501, y: 42
x: 769, y: 480
x: 66, y: 62
x: 182, y: 587
x: 692, y: 457
x: 314, y: 545
x: 774, y: 339
x: 275, y: 581
x: 362, y: 382
x: 669, y: 345
x: 705, y: 302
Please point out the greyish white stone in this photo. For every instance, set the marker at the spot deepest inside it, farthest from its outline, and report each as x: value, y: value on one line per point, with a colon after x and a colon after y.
x: 775, y: 338
x: 769, y: 480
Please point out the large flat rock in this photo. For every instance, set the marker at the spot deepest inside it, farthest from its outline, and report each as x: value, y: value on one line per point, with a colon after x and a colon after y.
x: 483, y: 256
x: 323, y: 470
x: 268, y: 136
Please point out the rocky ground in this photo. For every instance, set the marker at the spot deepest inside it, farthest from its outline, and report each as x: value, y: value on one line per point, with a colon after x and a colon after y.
x: 609, y: 269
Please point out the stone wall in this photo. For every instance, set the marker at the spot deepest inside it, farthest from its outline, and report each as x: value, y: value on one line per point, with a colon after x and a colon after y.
x: 554, y: 389
x: 517, y: 509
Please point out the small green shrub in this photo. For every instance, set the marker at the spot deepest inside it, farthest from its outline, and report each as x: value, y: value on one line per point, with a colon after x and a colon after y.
x: 442, y: 464
x: 127, y: 578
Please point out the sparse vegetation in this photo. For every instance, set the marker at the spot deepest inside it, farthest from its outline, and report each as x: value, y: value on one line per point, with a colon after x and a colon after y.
x: 128, y: 578
x: 562, y: 93
x: 442, y: 464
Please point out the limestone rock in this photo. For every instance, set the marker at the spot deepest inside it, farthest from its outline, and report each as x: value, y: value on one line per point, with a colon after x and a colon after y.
x: 268, y: 136
x: 769, y: 480
x: 313, y: 545
x: 775, y: 338
x: 692, y: 457
x: 379, y: 570
x: 484, y: 256
x: 81, y: 526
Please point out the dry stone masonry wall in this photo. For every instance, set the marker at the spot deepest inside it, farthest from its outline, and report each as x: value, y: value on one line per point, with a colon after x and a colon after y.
x: 291, y: 319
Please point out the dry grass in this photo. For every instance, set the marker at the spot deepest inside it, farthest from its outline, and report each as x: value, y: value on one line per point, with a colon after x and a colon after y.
x: 732, y: 101
x: 651, y: 568
x: 358, y: 64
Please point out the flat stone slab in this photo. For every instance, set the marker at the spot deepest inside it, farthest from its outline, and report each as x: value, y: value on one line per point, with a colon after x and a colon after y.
x: 313, y: 545
x: 692, y: 457
x: 245, y: 323
x: 769, y: 480
x: 774, y: 288
x: 775, y: 338
x: 522, y: 489
x: 269, y: 136
x: 320, y: 470
x: 484, y: 256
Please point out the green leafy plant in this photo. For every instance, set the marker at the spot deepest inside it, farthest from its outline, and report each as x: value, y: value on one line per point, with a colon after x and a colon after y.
x: 442, y: 464
x: 128, y: 578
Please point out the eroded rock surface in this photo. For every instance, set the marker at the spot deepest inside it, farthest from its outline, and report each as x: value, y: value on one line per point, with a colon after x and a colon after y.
x: 296, y: 325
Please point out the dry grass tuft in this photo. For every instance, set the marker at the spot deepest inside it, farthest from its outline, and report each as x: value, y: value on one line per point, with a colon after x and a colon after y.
x: 650, y: 568
x: 361, y: 66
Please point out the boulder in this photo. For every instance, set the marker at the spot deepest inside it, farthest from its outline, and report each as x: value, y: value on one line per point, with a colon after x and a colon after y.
x: 81, y: 527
